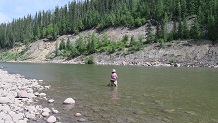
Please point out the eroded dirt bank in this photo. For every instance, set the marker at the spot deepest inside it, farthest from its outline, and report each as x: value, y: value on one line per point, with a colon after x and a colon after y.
x: 200, y: 53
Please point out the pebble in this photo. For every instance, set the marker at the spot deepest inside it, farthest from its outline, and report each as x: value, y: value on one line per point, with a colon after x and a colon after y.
x: 36, y: 93
x: 82, y: 120
x: 50, y: 101
x: 77, y: 115
x: 54, y: 111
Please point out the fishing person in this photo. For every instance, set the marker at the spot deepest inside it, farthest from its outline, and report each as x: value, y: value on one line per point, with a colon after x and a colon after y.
x: 113, y: 78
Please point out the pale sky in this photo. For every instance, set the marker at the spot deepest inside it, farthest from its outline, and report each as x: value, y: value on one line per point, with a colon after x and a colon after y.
x: 10, y: 9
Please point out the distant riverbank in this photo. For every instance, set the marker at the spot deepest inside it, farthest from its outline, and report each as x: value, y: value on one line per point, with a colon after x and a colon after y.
x: 191, y: 53
x: 176, y: 54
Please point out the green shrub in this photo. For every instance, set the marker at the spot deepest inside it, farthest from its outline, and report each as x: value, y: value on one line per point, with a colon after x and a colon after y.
x: 90, y: 60
x: 9, y: 56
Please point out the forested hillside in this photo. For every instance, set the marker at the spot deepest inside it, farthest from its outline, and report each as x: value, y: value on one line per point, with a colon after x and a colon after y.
x: 77, y: 16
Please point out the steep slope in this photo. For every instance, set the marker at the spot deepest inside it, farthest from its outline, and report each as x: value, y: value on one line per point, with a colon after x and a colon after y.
x: 41, y: 48
x: 187, y: 53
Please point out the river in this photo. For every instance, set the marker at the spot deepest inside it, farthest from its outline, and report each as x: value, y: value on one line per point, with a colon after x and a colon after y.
x: 144, y: 94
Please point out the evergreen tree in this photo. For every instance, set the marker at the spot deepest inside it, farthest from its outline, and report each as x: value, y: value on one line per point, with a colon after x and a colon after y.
x: 68, y: 44
x: 196, y: 30
x: 165, y: 28
x: 212, y: 29
x: 150, y: 33
x: 185, y: 28
x: 180, y: 31
x: 159, y: 10
x: 92, y: 43
x: 62, y: 45
x: 80, y: 45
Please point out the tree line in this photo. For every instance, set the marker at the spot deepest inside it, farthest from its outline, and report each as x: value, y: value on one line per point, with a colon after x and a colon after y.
x: 191, y: 19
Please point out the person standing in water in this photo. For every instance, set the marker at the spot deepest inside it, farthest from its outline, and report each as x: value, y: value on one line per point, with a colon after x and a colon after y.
x: 113, y: 79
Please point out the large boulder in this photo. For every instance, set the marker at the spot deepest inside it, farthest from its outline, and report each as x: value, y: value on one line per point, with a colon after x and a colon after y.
x: 69, y: 101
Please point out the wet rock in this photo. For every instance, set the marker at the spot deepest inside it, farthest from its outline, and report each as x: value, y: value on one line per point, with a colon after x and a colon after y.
x: 51, y: 119
x: 42, y: 94
x: 55, y: 111
x: 46, y: 110
x: 169, y: 110
x: 68, y: 107
x: 82, y: 120
x: 77, y: 114
x: 50, y: 101
x: 177, y: 65
x: 130, y: 120
x: 158, y: 102
x: 214, y: 120
x: 191, y: 113
x: 69, y: 101
x: 46, y: 87
x: 139, y: 112
x: 45, y: 114
x: 96, y: 109
x: 36, y: 93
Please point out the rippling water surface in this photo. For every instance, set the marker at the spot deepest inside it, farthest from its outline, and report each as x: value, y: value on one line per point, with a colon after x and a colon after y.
x: 144, y: 94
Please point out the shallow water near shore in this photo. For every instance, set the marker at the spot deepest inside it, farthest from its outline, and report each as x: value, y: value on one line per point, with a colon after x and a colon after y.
x: 144, y: 94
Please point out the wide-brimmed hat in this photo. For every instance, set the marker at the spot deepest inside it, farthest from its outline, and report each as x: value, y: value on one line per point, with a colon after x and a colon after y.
x: 113, y: 70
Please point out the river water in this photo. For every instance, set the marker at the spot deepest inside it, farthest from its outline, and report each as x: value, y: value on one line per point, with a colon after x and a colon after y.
x: 143, y: 95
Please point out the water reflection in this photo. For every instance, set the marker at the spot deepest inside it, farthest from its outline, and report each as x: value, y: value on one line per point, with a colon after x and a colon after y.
x: 114, y: 93
x: 69, y: 107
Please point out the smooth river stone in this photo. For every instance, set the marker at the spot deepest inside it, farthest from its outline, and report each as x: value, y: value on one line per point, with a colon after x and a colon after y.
x: 77, y: 115
x: 50, y: 101
x: 69, y: 101
x: 46, y: 110
x: 45, y: 114
x: 51, y: 119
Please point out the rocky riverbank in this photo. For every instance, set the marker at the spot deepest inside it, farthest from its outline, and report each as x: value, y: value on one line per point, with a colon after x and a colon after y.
x: 18, y: 99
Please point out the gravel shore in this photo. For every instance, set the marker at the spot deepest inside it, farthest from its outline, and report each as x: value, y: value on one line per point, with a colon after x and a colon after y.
x: 18, y: 99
